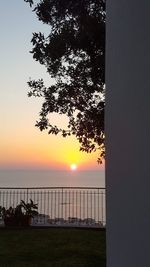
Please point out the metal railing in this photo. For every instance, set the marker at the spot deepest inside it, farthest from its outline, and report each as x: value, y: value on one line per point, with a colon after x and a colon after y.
x: 61, y: 206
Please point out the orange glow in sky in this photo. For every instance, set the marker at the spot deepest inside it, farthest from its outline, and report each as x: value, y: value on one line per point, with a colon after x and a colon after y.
x: 34, y: 149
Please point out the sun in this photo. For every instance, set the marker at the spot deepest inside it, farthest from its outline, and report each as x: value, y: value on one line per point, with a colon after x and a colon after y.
x: 73, y: 167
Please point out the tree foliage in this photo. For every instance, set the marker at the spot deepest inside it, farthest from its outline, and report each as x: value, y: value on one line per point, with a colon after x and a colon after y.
x: 74, y: 55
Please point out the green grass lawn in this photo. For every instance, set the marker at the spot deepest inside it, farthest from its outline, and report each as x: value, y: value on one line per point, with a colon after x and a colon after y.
x: 52, y: 247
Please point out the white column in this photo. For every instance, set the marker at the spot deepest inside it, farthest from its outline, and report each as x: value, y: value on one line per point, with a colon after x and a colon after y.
x: 128, y: 133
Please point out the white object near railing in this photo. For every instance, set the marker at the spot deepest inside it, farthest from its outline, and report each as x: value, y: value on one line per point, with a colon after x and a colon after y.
x: 61, y: 206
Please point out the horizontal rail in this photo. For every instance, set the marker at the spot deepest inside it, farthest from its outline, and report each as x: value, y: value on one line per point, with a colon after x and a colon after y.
x: 60, y: 206
x: 55, y: 187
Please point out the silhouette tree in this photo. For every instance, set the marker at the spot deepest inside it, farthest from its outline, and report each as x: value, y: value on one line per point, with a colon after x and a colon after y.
x: 74, y: 55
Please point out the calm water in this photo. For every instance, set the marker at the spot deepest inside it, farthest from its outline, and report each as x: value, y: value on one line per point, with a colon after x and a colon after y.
x: 48, y: 178
x: 56, y: 203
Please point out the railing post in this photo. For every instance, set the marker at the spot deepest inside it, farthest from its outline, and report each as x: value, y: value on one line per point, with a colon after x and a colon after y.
x: 79, y: 203
x: 27, y: 195
x: 62, y: 203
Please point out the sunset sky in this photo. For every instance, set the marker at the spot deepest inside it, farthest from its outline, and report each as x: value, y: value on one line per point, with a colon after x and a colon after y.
x: 22, y: 145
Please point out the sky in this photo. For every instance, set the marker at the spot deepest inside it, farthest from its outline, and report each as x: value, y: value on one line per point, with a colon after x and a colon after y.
x: 22, y: 145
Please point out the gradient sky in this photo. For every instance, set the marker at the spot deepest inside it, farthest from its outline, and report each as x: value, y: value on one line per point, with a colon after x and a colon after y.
x: 22, y: 145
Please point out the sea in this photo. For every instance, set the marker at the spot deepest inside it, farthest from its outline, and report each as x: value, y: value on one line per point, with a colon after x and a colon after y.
x: 52, y: 178
x: 53, y: 202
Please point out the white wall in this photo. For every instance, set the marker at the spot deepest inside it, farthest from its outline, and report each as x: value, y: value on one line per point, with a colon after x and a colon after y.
x: 128, y: 133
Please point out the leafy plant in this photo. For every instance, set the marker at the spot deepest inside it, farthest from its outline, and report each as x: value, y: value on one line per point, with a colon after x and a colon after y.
x: 20, y: 215
x: 29, y: 209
